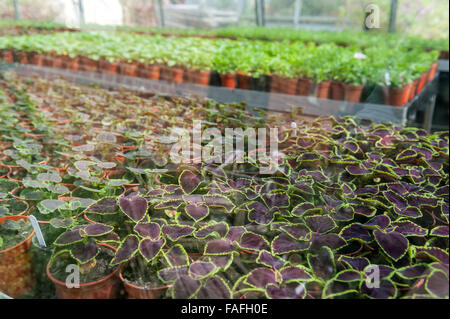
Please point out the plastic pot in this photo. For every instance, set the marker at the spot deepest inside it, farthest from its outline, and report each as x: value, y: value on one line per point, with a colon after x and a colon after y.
x: 35, y: 58
x: 433, y: 71
x: 304, y: 86
x: 137, y: 292
x: 243, y: 81
x: 148, y: 71
x: 398, y: 96
x: 323, y: 89
x: 108, y: 67
x: 197, y: 77
x: 422, y: 82
x: 58, y: 61
x: 353, y: 93
x: 105, y: 288
x: 412, y: 92
x: 16, y: 277
x: 48, y: 59
x: 228, y: 80
x: 8, y: 55
x: 283, y: 85
x: 87, y: 64
x: 128, y: 69
x: 21, y: 57
x: 338, y: 90
x: 71, y: 63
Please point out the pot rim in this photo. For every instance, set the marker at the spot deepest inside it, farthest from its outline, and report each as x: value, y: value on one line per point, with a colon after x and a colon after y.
x: 14, y: 217
x: 85, y: 285
x: 142, y: 289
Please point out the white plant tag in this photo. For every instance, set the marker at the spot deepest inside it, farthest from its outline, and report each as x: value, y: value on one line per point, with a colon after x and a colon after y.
x: 37, y: 230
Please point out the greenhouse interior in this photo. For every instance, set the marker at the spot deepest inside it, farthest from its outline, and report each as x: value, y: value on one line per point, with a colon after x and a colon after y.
x: 224, y: 149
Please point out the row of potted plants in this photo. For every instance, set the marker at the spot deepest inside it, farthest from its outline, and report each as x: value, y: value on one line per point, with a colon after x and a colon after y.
x: 289, y: 68
x: 347, y: 196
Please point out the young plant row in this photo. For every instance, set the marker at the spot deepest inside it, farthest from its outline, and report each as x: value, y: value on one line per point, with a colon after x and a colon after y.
x: 348, y: 197
x: 292, y: 68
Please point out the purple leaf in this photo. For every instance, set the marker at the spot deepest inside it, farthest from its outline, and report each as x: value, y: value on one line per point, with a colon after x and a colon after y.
x: 94, y: 230
x: 437, y: 284
x: 412, y: 272
x: 260, y: 214
x: 290, y: 291
x: 284, y: 244
x: 127, y: 250
x: 356, y: 232
x: 441, y: 231
x: 358, y: 263
x: 380, y: 222
x: 176, y: 256
x: 344, y: 213
x: 408, y: 228
x: 215, y: 288
x: 304, y: 208
x: 84, y: 252
x: 297, y: 231
x: 134, y: 207
x: 149, y: 248
x: 253, y: 241
x: 397, y: 201
x: 197, y: 212
x: 322, y: 263
x: 106, y: 205
x: 185, y: 287
x: 235, y: 233
x: 220, y: 228
x: 411, y: 212
x: 419, y: 201
x: 189, y: 181
x: 386, y: 290
x: 293, y: 274
x: 356, y: 170
x: 175, y: 232
x: 218, y: 247
x: 261, y: 277
x: 68, y: 238
x: 394, y: 244
x: 169, y: 275
x: 221, y: 261
x: 432, y: 253
x: 367, y: 211
x: 349, y: 275
x: 199, y: 269
x: 371, y: 190
x: 150, y: 230
x: 320, y: 224
x: 333, y: 241
x: 267, y: 259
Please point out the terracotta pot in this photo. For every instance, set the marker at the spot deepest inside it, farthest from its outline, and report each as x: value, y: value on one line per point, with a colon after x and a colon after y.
x: 337, y: 89
x: 108, y: 67
x: 197, y: 77
x: 105, y: 288
x: 137, y: 292
x: 58, y: 61
x: 283, y: 85
x: 228, y: 80
x: 87, y: 64
x: 243, y: 81
x: 433, y: 71
x: 146, y: 71
x: 353, y: 93
x: 35, y: 58
x: 48, y: 59
x: 323, y: 89
x: 304, y: 86
x: 398, y: 96
x: 177, y: 75
x: 8, y: 55
x: 21, y: 57
x: 23, y: 212
x: 16, y: 276
x: 422, y: 82
x: 128, y: 69
x: 412, y: 92
x: 70, y: 63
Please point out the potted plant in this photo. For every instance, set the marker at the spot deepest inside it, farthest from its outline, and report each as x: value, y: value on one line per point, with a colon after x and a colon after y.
x: 15, y: 264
